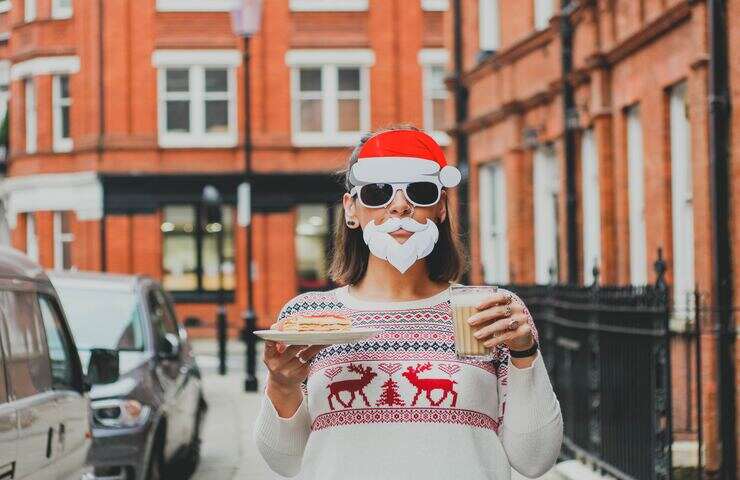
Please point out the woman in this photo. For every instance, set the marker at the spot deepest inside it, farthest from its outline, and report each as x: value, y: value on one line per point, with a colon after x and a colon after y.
x: 402, y: 405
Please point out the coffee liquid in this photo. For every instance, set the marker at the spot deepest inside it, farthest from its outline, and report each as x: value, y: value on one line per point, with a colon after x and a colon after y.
x: 465, y: 343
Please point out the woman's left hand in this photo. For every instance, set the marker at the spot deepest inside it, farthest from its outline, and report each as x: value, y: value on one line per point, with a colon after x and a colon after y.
x: 502, y: 319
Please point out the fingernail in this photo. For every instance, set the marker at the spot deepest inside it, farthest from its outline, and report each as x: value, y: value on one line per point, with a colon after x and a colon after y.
x: 471, y: 320
x: 477, y: 334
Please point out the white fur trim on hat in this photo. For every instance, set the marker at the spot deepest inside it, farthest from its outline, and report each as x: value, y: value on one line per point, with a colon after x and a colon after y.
x: 450, y: 176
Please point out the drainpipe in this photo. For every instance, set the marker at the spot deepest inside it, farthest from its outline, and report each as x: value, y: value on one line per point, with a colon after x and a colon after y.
x: 719, y: 153
x: 461, y: 115
x: 101, y: 127
x: 570, y: 122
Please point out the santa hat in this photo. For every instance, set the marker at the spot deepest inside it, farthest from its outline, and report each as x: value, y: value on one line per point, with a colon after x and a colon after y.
x: 403, y: 156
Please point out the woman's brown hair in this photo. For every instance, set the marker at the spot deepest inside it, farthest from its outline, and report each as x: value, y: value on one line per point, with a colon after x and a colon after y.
x: 350, y: 254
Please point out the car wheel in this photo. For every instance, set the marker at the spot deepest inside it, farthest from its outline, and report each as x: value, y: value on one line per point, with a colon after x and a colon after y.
x: 193, y: 458
x: 155, y: 471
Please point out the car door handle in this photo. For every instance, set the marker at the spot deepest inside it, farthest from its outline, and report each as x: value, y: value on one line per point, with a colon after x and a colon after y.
x: 49, y: 438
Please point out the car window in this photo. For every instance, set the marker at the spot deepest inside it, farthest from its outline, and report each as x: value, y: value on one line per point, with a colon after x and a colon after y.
x: 161, y: 315
x: 27, y: 355
x: 60, y: 351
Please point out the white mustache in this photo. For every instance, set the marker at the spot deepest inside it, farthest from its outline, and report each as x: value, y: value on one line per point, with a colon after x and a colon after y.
x: 395, y: 223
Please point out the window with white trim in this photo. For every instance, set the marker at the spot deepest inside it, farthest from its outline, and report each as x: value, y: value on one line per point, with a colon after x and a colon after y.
x: 63, y: 238
x: 591, y: 206
x: 197, y: 106
x: 636, y: 186
x: 61, y: 104
x: 61, y: 9
x: 489, y: 25
x: 195, y: 5
x: 4, y: 6
x: 29, y: 10
x: 330, y: 103
x: 546, y: 194
x: 435, y: 99
x: 543, y: 12
x: 32, y: 239
x: 493, y: 237
x: 4, y: 90
x: 30, y: 111
x: 435, y: 5
x: 328, y: 5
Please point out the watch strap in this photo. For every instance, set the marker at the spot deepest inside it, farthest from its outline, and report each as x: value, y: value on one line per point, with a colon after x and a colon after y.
x: 525, y: 353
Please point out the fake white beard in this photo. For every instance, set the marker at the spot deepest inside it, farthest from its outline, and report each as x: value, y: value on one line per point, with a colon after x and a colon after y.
x: 401, y: 255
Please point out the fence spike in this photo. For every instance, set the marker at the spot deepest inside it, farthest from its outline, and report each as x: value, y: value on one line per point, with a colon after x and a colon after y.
x: 660, y: 269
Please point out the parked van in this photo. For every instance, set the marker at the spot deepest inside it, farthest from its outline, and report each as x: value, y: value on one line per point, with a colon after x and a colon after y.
x: 44, y: 410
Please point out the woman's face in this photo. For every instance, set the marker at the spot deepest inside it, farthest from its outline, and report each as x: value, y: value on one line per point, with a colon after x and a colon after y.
x: 399, y: 208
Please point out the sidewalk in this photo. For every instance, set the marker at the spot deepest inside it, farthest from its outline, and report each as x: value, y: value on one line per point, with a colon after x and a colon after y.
x: 228, y: 450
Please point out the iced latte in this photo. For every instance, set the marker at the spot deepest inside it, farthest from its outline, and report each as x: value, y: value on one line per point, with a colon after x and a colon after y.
x: 464, y: 300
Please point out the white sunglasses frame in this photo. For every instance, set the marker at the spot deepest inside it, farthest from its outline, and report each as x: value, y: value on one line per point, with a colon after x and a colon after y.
x: 355, y: 191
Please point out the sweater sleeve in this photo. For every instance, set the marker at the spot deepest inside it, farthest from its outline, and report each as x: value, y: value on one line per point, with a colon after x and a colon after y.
x: 281, y: 441
x: 532, y: 429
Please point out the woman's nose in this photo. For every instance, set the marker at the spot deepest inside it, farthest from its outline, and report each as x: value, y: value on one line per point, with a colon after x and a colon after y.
x: 400, y: 206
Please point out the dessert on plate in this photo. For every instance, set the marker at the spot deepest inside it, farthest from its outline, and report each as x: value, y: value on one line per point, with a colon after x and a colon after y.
x: 316, y: 323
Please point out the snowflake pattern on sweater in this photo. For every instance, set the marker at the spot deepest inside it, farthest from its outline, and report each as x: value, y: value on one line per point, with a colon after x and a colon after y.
x: 408, y: 373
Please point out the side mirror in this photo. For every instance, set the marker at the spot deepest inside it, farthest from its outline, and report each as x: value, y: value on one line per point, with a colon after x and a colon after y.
x: 103, y: 367
x: 169, y: 346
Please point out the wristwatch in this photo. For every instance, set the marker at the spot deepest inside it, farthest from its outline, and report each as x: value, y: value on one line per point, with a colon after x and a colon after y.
x: 525, y: 353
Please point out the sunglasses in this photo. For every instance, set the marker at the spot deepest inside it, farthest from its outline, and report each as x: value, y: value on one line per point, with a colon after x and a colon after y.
x: 380, y: 195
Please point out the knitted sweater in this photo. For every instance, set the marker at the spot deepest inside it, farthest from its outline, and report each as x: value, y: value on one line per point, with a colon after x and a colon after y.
x: 401, y: 405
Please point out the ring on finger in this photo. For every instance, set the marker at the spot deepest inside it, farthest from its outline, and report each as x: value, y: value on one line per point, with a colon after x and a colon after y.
x: 508, y: 311
x: 513, y: 324
x: 300, y: 359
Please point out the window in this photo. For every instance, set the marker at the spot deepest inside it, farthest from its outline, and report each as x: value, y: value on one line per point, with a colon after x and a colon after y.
x: 4, y: 6
x: 4, y: 87
x: 29, y: 10
x: 30, y: 92
x: 61, y: 9
x: 433, y: 63
x: 60, y: 352
x: 27, y: 357
x: 61, y: 103
x: 543, y: 12
x: 195, y: 5
x: 591, y: 206
x: 330, y: 96
x: 197, y: 107
x: 63, y: 238
x: 328, y: 5
x: 494, y: 241
x: 32, y: 239
x: 546, y: 192
x: 312, y: 245
x: 636, y: 185
x: 190, y: 250
x: 435, y: 5
x: 489, y: 26
x: 682, y: 200
x: 161, y: 314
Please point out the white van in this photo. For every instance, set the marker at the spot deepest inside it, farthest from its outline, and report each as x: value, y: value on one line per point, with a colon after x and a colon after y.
x: 44, y: 409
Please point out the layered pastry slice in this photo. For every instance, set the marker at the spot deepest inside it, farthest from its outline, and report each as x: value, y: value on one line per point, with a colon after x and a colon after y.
x: 328, y: 322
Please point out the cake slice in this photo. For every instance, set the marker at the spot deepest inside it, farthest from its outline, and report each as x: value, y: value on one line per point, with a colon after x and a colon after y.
x: 328, y: 322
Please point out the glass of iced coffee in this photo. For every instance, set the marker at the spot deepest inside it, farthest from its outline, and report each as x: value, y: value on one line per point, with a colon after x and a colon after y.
x: 464, y: 299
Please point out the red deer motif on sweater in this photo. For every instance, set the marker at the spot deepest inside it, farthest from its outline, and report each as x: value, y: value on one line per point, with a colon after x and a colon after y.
x: 430, y: 384
x: 353, y: 386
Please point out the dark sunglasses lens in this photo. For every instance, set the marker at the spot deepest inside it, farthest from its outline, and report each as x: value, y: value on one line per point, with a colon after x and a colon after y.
x: 376, y: 194
x: 423, y: 193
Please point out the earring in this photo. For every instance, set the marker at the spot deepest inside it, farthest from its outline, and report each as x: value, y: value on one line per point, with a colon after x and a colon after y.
x: 353, y: 223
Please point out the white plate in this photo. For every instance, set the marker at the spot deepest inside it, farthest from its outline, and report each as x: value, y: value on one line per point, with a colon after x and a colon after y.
x: 318, y: 338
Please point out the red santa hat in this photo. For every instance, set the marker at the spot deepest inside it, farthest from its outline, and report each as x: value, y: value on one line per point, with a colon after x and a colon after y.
x: 399, y: 156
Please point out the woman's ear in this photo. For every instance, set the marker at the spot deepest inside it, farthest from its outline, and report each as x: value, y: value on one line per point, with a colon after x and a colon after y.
x: 349, y: 206
x: 443, y: 206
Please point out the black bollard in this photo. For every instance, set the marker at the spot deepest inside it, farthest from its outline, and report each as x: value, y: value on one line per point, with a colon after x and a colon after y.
x: 221, y: 325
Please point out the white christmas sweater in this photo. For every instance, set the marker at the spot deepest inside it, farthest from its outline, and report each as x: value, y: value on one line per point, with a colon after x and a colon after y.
x: 401, y: 405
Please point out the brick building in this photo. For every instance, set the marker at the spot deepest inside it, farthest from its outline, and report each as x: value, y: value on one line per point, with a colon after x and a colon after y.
x: 641, y: 177
x: 121, y: 112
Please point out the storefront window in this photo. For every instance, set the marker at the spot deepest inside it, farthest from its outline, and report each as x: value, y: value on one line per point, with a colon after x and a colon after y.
x: 312, y: 246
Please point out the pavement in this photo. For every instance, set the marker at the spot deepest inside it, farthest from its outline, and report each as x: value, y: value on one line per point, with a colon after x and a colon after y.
x: 228, y: 451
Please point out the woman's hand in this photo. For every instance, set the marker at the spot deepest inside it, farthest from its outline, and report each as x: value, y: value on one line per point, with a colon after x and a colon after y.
x: 503, y: 319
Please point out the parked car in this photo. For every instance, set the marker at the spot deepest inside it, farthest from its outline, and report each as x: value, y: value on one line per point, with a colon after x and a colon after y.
x: 44, y: 409
x: 147, y: 425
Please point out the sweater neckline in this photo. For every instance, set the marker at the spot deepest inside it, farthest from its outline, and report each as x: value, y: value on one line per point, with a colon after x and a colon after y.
x: 354, y: 302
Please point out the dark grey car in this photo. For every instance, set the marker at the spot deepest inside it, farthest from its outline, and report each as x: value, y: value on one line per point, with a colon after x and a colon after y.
x: 147, y: 425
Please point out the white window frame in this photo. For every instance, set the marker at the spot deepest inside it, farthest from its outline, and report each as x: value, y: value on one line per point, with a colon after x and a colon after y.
x: 4, y: 87
x: 195, y: 5
x: 590, y: 190
x: 60, y: 144
x: 682, y: 204
x: 328, y: 5
x: 636, y: 186
x: 435, y: 5
x: 546, y: 195
x: 30, y: 115
x: 489, y: 25
x: 32, y: 239
x: 5, y: 6
x: 196, y: 62
x: 60, y: 239
x: 29, y: 10
x: 494, y: 244
x: 543, y: 12
x: 60, y: 12
x: 429, y: 58
x: 329, y: 61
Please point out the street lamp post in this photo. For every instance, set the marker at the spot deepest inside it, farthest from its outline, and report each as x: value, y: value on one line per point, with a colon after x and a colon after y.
x: 246, y: 21
x: 212, y: 201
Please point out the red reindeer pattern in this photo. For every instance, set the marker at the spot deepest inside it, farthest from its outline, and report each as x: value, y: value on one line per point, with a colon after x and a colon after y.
x: 353, y: 386
x: 428, y: 385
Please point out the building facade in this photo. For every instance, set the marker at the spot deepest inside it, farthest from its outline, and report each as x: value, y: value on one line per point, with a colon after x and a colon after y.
x: 122, y: 112
x: 636, y: 177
